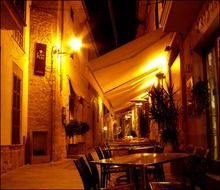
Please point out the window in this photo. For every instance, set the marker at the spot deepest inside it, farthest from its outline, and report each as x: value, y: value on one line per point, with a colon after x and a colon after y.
x: 212, y: 67
x: 158, y: 12
x: 16, y: 107
x: 20, y: 6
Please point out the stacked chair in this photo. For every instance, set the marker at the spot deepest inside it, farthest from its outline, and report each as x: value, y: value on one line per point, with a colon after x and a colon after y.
x: 194, y: 172
x: 90, y: 175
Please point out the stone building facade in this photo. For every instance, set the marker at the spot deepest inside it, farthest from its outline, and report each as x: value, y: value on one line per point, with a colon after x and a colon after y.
x: 49, y: 107
x: 44, y: 94
x: 14, y: 82
x: 193, y: 56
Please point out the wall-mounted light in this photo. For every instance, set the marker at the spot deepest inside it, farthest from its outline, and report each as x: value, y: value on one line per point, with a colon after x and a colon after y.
x: 74, y: 43
x: 56, y: 50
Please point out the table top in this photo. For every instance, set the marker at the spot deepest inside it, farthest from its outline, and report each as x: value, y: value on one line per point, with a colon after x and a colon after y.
x: 131, y: 148
x: 143, y: 159
x: 130, y: 143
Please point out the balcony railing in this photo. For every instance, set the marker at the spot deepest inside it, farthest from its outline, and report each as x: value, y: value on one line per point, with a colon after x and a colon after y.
x: 18, y: 37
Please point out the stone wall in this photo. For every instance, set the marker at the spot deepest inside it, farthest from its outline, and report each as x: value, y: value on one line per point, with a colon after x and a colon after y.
x: 12, y: 157
x: 44, y: 101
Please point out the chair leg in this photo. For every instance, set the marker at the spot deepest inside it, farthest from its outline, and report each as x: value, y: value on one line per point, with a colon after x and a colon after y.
x: 102, y: 176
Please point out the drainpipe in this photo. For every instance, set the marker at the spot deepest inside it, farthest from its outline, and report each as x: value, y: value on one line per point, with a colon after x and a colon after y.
x: 52, y: 98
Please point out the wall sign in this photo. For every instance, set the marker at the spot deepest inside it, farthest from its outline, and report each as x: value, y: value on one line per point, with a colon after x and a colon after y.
x: 208, y: 14
x: 40, y: 59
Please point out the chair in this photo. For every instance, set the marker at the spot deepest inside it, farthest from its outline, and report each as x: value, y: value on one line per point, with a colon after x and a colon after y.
x: 90, y: 177
x: 103, y: 152
x: 166, y: 186
x: 190, y: 148
x: 157, y: 170
x: 195, y: 168
x: 93, y: 168
x: 194, y: 174
x: 199, y: 174
x: 85, y: 174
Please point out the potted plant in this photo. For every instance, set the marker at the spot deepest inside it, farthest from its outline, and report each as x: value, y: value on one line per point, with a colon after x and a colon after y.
x: 84, y: 127
x: 164, y: 111
x: 71, y: 129
x: 200, y: 93
x: 74, y: 128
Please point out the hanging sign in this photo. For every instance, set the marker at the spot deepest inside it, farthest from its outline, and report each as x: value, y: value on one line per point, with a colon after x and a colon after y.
x: 40, y: 59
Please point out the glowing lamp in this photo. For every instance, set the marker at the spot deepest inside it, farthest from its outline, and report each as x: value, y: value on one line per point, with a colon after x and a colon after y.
x: 76, y: 44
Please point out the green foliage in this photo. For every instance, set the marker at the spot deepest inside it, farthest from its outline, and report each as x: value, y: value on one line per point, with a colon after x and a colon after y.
x: 165, y: 112
x: 76, y: 128
x: 84, y: 127
x: 200, y: 96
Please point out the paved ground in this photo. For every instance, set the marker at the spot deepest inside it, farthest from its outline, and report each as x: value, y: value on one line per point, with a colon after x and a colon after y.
x: 54, y: 175
x: 58, y: 175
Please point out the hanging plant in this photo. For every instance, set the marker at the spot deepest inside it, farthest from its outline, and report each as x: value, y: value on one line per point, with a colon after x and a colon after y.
x: 76, y: 128
x: 84, y: 127
x: 72, y: 128
x: 200, y: 96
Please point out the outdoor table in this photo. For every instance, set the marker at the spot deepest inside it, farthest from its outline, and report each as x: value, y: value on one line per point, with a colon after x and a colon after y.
x: 130, y: 150
x: 141, y: 160
x: 130, y: 143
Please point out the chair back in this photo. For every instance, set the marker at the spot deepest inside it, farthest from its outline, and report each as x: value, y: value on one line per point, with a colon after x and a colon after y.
x: 201, y: 167
x: 190, y: 148
x: 99, y: 152
x: 201, y: 152
x: 85, y: 173
x: 158, y: 149
x: 93, y: 167
x: 106, y: 150
x: 195, y: 168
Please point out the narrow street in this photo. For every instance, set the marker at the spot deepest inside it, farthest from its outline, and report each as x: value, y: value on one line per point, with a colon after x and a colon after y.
x: 54, y: 175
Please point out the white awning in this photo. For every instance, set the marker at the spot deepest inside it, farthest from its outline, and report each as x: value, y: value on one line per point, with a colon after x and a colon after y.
x: 129, y: 71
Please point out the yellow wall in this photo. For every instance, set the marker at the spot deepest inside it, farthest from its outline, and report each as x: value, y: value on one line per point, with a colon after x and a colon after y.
x: 11, y: 52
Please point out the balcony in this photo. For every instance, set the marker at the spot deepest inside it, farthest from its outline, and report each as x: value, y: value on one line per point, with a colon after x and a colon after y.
x: 178, y: 16
x: 13, y: 14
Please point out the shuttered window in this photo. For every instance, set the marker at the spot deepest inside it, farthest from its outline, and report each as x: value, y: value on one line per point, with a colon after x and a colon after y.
x: 16, y: 110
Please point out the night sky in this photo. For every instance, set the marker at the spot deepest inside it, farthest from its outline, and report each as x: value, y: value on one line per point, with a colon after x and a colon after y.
x: 124, y: 12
